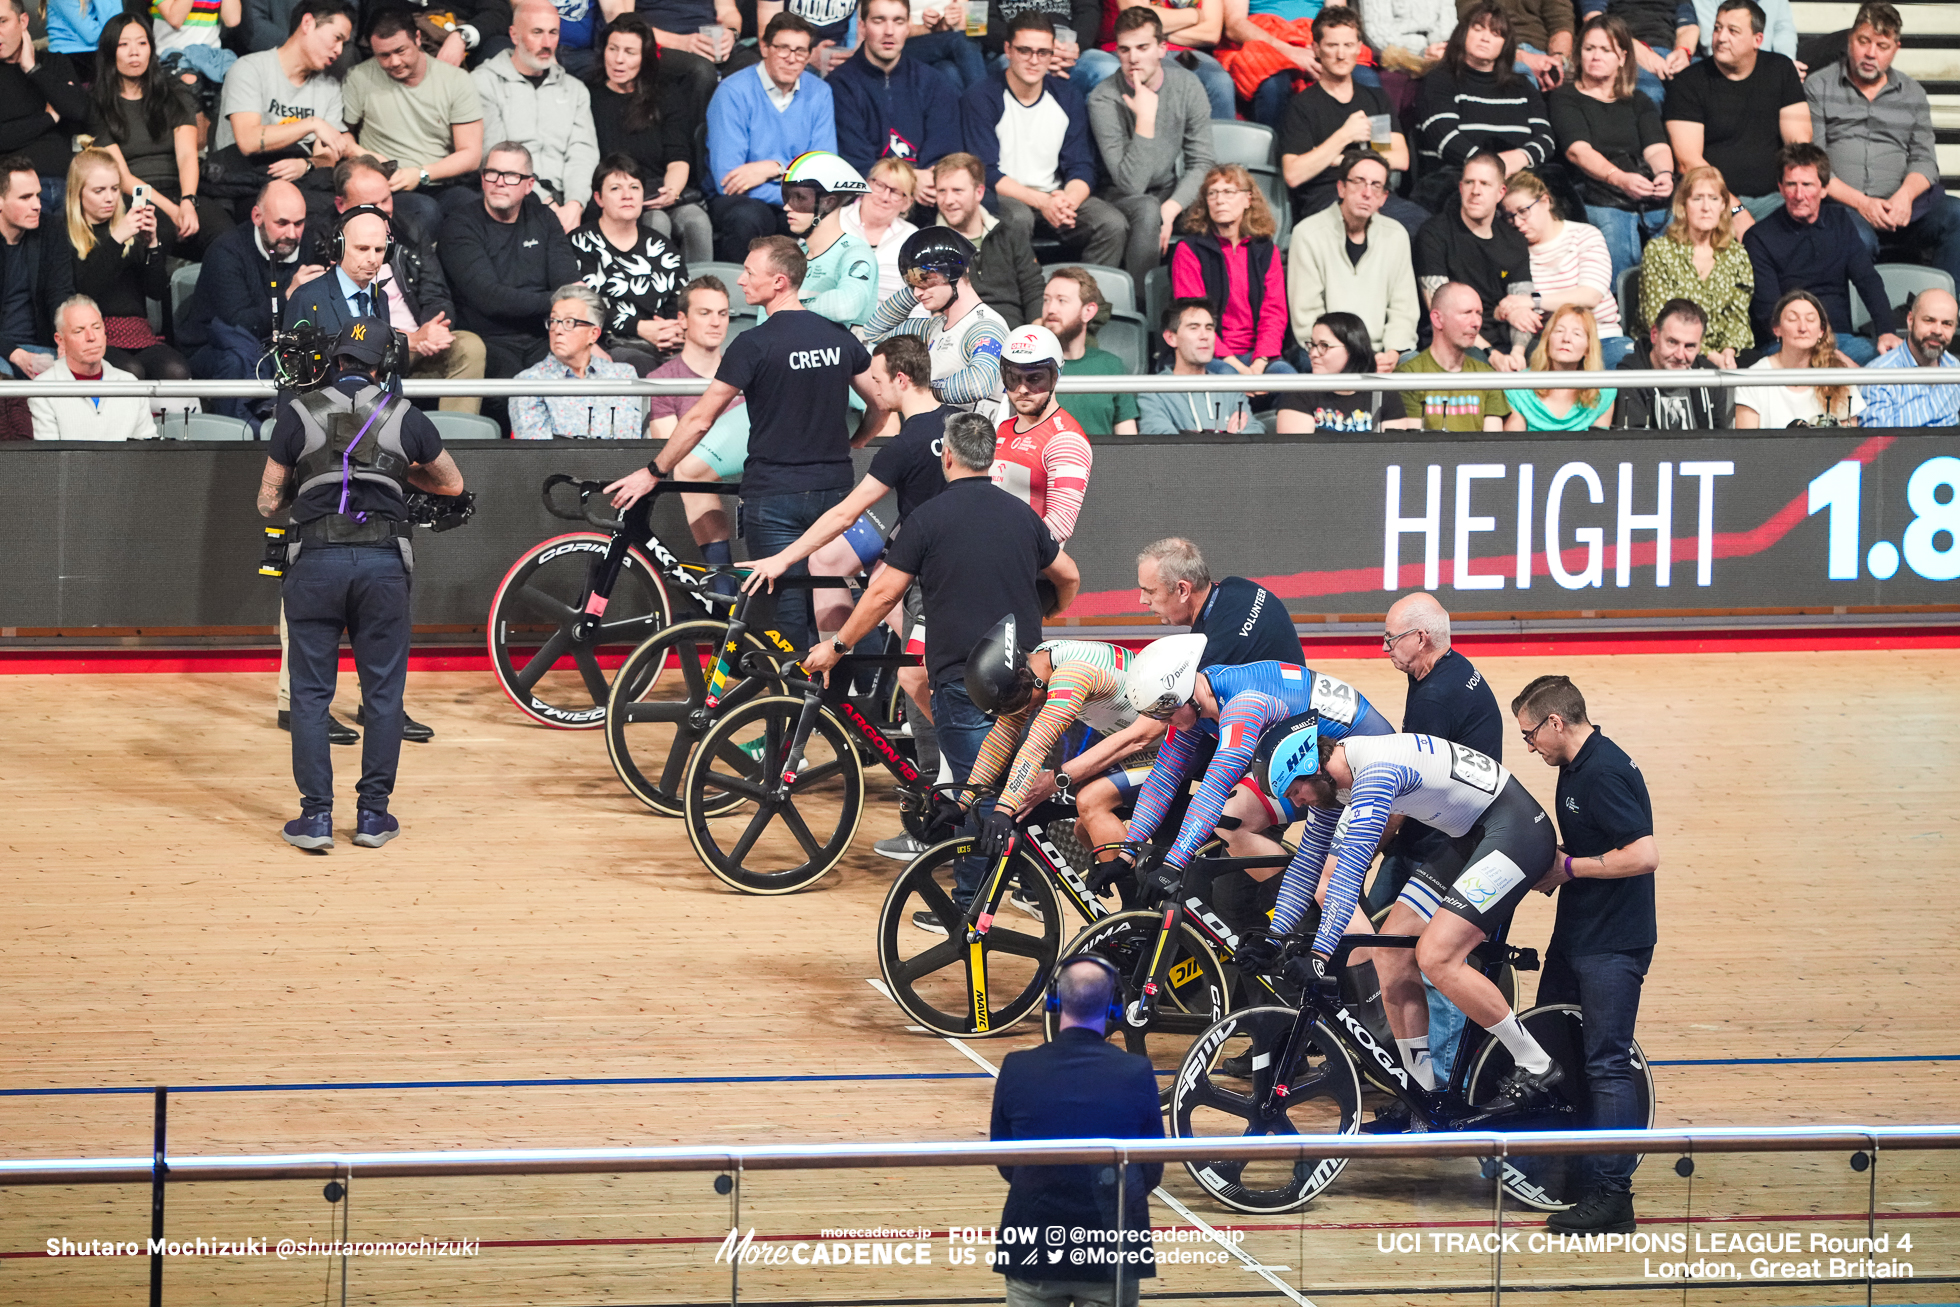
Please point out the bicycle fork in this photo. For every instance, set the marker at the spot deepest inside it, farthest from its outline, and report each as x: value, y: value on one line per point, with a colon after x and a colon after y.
x: 1150, y: 984
x: 980, y: 920
x: 793, y: 755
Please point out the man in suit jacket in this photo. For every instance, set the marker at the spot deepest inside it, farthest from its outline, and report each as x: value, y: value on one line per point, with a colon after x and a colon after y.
x: 1078, y: 1087
x: 82, y: 340
x: 406, y: 286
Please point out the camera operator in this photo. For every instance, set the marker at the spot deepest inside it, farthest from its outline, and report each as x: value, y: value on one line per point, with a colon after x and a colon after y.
x: 356, y: 448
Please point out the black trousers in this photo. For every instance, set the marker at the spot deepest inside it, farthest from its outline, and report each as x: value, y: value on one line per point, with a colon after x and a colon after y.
x: 364, y: 591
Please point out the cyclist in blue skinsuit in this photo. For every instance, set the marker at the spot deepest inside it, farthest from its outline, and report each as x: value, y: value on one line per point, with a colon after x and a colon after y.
x: 1235, y: 706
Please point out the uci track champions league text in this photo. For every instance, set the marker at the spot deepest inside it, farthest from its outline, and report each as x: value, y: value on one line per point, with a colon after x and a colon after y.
x: 1675, y: 1255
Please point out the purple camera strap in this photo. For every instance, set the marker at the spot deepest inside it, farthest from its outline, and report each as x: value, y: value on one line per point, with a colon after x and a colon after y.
x: 346, y: 468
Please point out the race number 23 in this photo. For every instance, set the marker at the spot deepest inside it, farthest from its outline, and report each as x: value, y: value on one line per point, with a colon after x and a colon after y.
x: 1474, y: 769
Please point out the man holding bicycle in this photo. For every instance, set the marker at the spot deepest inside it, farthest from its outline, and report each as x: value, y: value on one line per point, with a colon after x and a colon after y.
x: 1604, y: 938
x: 1502, y: 847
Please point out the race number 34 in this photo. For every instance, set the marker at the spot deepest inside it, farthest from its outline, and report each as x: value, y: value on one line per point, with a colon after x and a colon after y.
x: 1931, y: 543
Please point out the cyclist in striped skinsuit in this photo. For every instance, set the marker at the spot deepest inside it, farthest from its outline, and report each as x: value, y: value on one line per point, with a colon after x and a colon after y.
x: 1502, y: 845
x: 963, y: 335
x: 1236, y: 705
x: 1039, y: 697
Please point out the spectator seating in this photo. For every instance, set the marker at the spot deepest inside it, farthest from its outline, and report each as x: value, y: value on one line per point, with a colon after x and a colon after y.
x: 182, y: 283
x: 1124, y: 336
x: 1626, y: 289
x: 1902, y: 281
x: 465, y: 426
x: 1157, y: 295
x: 215, y: 426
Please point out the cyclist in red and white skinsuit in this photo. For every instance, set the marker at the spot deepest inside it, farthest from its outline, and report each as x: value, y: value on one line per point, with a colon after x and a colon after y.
x: 1041, y: 454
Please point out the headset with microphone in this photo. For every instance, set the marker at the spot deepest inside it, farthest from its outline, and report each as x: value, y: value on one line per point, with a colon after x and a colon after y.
x: 1114, y: 1016
x: 337, y: 243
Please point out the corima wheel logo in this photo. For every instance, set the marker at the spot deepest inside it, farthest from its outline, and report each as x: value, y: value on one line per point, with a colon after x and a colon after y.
x: 576, y: 547
x: 1199, y: 1058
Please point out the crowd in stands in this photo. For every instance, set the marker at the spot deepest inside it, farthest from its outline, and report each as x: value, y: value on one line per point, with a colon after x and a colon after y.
x: 532, y: 190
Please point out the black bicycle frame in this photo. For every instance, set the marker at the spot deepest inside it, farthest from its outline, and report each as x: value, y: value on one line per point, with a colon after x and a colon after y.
x: 633, y: 528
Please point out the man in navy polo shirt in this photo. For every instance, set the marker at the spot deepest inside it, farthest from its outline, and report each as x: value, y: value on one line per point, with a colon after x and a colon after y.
x: 1604, y: 937
x: 1242, y: 621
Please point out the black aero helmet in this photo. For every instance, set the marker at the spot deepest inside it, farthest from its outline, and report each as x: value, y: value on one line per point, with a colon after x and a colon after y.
x: 997, y: 675
x: 936, y: 249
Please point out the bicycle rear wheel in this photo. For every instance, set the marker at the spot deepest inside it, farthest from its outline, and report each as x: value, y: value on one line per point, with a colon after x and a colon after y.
x: 775, y: 838
x: 552, y: 678
x: 1193, y: 996
x: 659, y: 696
x: 932, y: 974
x: 1549, y: 1183
x: 1207, y: 1099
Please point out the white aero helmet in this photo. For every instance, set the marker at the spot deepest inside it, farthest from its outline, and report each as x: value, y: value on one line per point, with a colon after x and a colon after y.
x: 1031, y: 346
x: 1165, y: 675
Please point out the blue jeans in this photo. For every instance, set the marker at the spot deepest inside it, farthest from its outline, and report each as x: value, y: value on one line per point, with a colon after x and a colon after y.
x: 1270, y: 98
x: 1859, y: 349
x: 961, y: 729
x: 954, y: 54
x: 1626, y: 233
x: 1614, y: 348
x: 1217, y: 82
x: 1273, y: 366
x: 363, y: 590
x: 1606, y: 986
x: 1935, y: 232
x: 771, y: 524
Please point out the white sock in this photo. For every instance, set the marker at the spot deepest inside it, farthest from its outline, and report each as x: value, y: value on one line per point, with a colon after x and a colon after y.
x: 946, y: 776
x: 1524, y: 1049
x: 1415, y: 1056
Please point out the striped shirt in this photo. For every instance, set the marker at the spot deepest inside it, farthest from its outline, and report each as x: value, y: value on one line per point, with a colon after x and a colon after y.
x: 1045, y: 467
x: 1874, y: 143
x: 1088, y: 681
x: 1443, y: 785
x: 1250, y: 698
x: 1577, y: 256
x: 1456, y: 117
x: 1910, y: 406
x: 965, y: 356
x: 200, y: 27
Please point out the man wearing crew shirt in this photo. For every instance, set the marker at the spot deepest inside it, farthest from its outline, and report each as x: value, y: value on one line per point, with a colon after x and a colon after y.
x: 796, y: 369
x: 1603, y: 939
x: 977, y: 551
x: 1449, y: 699
x: 1242, y: 622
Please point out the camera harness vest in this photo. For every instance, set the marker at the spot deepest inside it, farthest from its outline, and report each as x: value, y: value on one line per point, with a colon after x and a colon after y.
x: 352, y: 438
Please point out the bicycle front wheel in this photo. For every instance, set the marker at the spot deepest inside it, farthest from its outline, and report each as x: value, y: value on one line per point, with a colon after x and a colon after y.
x: 1220, y: 1090
x: 659, y: 697
x: 1551, y: 1182
x: 1192, y: 998
x: 552, y: 678
x: 943, y: 981
x: 780, y: 836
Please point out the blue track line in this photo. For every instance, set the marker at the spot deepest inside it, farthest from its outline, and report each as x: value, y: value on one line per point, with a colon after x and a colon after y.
x: 577, y: 1082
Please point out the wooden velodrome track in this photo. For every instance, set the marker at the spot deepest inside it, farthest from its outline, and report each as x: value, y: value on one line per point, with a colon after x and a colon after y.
x: 535, y: 924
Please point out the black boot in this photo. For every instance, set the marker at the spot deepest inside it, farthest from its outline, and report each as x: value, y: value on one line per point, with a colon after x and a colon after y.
x: 338, y: 732
x: 1603, y: 1211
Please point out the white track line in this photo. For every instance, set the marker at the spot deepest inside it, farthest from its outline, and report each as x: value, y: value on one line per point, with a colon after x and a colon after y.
x: 1160, y: 1194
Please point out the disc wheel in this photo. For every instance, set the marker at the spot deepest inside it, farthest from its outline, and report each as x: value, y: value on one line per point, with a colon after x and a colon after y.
x: 1210, y: 1097
x: 775, y: 838
x: 655, y: 714
x: 552, y: 678
x: 1193, y: 997
x: 944, y: 983
x: 1551, y: 1182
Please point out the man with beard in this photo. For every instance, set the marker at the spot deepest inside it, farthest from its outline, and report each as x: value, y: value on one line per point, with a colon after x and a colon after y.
x: 1042, y: 457
x: 1929, y: 330
x: 248, y: 273
x: 1069, y: 307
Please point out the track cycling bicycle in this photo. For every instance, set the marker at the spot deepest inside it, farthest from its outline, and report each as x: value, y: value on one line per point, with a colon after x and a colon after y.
x: 773, y: 790
x: 1307, y: 1064
x: 568, y: 598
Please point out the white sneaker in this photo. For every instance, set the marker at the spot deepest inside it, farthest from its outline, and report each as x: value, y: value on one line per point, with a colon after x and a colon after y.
x: 1027, y: 905
x: 899, y: 848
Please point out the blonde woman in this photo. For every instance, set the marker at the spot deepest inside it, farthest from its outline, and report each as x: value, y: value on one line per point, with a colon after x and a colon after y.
x: 878, y: 217
x: 1569, y: 262
x: 119, y: 264
x: 1569, y: 343
x: 1700, y: 257
x: 1799, y: 322
x: 1227, y: 258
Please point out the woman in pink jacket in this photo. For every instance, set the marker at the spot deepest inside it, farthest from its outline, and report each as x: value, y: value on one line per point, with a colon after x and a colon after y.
x: 1227, y: 257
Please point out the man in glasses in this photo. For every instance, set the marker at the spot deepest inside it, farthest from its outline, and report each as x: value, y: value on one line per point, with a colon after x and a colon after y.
x: 1041, y: 454
x: 504, y: 258
x: 577, y: 320
x: 528, y: 96
x: 1449, y: 699
x: 1350, y: 258
x: 1029, y: 127
x: 759, y: 121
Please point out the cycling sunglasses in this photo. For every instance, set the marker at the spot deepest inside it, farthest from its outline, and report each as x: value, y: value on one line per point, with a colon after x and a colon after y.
x: 1039, y: 379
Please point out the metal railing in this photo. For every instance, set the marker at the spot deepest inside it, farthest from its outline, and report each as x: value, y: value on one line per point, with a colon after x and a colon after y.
x: 1157, y: 383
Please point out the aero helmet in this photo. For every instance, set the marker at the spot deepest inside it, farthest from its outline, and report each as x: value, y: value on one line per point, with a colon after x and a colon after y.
x: 1165, y: 675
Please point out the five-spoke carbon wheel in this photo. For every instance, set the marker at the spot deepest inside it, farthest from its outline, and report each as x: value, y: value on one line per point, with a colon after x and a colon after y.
x: 658, y: 709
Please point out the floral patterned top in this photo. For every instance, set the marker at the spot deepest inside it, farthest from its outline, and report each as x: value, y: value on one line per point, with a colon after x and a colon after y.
x: 1667, y: 271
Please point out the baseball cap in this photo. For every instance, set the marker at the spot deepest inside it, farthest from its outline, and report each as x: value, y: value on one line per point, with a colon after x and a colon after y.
x: 365, y: 340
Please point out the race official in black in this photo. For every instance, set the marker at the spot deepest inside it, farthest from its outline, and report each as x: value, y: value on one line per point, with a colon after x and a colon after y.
x: 343, y: 457
x: 1241, y: 620
x: 1078, y: 1087
x: 1603, y: 939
